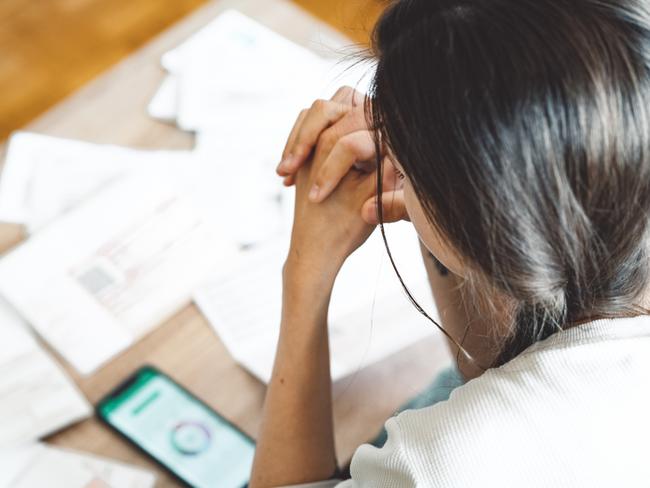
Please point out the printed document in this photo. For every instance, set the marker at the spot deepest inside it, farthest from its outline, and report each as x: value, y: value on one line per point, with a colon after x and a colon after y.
x: 44, y: 466
x: 235, y: 69
x: 44, y: 177
x: 36, y: 396
x: 228, y: 83
x: 370, y: 316
x: 109, y: 271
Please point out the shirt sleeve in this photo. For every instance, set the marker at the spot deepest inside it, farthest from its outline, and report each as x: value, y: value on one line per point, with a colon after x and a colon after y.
x: 384, y: 467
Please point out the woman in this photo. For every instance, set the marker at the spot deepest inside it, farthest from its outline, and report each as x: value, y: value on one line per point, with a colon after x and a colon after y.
x: 520, y: 133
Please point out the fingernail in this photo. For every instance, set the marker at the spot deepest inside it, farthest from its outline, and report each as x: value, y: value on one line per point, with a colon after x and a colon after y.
x: 314, y: 192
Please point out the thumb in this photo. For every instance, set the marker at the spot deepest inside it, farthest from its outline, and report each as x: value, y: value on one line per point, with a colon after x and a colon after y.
x: 393, y: 206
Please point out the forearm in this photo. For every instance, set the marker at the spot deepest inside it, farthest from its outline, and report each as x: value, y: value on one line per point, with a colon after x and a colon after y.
x: 296, y: 440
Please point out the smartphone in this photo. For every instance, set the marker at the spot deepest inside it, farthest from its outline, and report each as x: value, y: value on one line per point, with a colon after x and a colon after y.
x: 180, y: 432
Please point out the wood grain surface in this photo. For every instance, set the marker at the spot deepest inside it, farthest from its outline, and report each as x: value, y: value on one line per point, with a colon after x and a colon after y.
x: 112, y: 109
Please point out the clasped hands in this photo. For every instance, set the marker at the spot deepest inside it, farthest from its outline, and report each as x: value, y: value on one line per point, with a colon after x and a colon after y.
x: 330, y: 156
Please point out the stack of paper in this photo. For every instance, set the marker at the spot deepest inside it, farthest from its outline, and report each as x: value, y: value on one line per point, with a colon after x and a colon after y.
x: 110, y: 270
x: 36, y: 396
x: 38, y: 465
x: 237, y: 71
x: 370, y: 317
x: 44, y: 177
x: 240, y: 86
x: 38, y: 399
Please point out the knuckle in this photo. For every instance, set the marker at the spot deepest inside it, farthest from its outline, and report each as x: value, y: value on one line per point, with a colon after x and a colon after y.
x: 340, y: 91
x: 298, y: 148
x: 304, y: 148
x: 348, y: 143
x: 319, y: 105
x: 328, y: 139
x: 344, y: 91
x: 297, y: 140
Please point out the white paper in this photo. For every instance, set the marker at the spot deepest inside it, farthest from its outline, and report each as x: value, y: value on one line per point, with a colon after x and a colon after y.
x: 112, y: 269
x: 164, y: 104
x: 40, y: 466
x: 44, y: 177
x: 236, y: 70
x: 240, y: 86
x: 203, y: 103
x: 370, y: 316
x: 249, y: 197
x: 231, y: 41
x: 36, y: 396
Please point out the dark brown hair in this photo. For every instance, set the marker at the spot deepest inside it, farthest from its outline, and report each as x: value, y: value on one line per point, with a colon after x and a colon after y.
x: 523, y: 126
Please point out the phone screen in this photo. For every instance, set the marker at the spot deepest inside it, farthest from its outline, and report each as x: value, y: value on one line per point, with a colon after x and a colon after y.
x: 179, y: 431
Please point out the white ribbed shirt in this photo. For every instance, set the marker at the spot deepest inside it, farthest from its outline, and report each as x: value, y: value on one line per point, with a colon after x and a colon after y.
x: 570, y: 411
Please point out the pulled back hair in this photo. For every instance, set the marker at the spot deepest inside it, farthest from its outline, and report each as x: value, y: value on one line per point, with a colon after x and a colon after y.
x: 524, y: 129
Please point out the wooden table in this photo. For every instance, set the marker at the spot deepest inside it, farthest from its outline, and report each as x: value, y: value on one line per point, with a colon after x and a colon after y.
x: 112, y: 109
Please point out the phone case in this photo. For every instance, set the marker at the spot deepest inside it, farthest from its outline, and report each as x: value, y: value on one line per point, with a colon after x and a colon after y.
x: 124, y: 385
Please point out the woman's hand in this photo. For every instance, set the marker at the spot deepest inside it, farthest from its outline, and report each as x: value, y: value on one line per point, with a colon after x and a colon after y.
x: 336, y: 133
x: 327, y: 121
x: 325, y: 234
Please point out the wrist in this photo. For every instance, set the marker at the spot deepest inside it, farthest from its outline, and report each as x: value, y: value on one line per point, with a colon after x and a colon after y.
x: 311, y: 270
x: 307, y: 284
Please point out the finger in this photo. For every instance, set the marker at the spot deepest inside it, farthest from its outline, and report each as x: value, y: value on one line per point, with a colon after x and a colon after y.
x: 320, y: 116
x: 393, y: 207
x: 350, y: 149
x: 349, y: 96
x: 353, y: 121
x: 289, y: 180
x: 345, y: 95
x: 290, y: 141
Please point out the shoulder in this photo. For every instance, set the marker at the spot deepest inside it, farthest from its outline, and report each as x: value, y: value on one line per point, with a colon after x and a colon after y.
x: 474, y: 435
x: 452, y: 444
x: 552, y: 413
